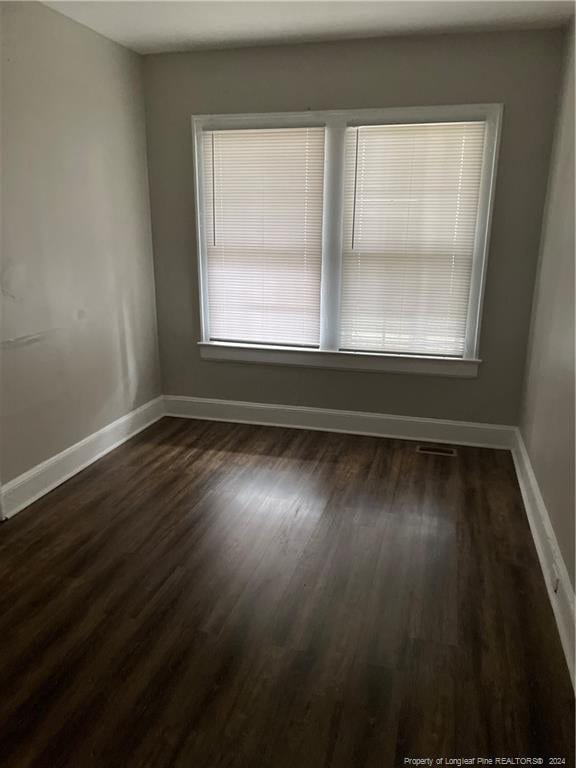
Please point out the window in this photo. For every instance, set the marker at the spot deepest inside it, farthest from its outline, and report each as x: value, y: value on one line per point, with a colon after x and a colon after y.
x: 411, y: 203
x: 263, y: 224
x: 346, y: 239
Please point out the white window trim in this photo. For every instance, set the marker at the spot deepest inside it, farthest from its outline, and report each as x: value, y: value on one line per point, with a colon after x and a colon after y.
x: 351, y: 361
x: 328, y: 355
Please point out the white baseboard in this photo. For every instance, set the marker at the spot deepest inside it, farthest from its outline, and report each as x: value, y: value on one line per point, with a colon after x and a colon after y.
x: 354, y: 422
x: 23, y: 490
x: 410, y: 428
x: 30, y: 486
x: 36, y: 482
x: 551, y: 560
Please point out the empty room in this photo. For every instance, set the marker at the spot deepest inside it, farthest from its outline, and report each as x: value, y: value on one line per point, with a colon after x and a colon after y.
x: 287, y: 403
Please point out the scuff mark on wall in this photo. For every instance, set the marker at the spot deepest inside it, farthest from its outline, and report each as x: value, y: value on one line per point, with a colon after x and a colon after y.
x: 9, y: 275
x: 29, y: 338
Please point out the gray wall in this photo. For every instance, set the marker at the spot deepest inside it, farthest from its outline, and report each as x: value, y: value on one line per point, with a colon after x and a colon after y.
x: 79, y: 332
x: 547, y: 422
x: 522, y: 70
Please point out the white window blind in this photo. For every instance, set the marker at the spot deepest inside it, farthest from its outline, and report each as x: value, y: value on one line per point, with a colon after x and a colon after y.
x: 262, y: 211
x: 411, y: 196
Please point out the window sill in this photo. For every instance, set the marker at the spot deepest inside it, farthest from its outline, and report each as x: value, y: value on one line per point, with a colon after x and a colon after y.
x: 350, y: 361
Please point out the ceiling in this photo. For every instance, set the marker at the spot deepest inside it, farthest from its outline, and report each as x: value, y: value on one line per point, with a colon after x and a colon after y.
x: 154, y: 27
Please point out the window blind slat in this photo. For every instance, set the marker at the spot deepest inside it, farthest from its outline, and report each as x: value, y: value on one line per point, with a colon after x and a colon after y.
x: 411, y: 197
x: 263, y: 231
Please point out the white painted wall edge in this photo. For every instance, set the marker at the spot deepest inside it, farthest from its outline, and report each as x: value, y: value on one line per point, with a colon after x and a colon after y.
x: 551, y: 560
x: 30, y: 486
x: 354, y: 422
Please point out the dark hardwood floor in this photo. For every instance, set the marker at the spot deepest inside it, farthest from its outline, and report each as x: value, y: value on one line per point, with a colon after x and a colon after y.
x: 214, y: 595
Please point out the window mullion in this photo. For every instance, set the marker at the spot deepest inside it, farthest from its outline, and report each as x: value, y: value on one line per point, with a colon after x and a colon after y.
x: 332, y: 234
